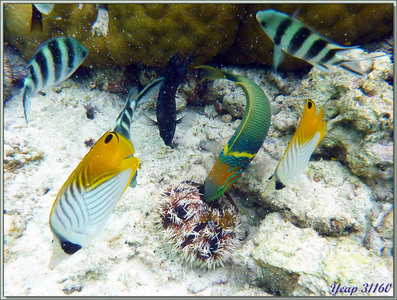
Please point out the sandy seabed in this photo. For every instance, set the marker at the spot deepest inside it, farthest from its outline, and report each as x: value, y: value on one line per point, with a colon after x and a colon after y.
x: 130, y: 257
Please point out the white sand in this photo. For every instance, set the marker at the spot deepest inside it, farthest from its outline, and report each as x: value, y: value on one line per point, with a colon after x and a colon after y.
x: 129, y: 257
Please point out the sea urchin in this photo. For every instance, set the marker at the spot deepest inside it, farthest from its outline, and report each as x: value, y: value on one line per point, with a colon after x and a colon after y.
x: 206, y: 233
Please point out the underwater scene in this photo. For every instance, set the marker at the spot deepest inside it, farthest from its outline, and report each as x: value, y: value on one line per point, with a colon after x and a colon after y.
x: 191, y: 149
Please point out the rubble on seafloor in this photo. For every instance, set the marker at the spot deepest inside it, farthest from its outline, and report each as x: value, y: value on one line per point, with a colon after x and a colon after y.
x: 335, y: 225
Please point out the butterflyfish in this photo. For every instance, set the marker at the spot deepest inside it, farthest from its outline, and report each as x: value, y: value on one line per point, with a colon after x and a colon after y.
x: 174, y: 72
x: 310, y: 132
x: 299, y: 40
x: 53, y: 62
x: 246, y: 140
x: 84, y: 205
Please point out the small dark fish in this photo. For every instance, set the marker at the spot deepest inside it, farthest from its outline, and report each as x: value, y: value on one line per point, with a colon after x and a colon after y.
x: 173, y: 74
x: 52, y: 63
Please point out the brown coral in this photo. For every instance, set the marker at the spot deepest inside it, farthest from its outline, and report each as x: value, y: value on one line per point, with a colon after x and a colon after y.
x: 151, y: 33
x: 146, y: 33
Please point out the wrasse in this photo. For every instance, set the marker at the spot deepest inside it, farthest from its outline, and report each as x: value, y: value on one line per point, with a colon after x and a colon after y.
x: 84, y: 205
x: 246, y: 140
x: 295, y: 38
x: 308, y: 135
x: 52, y: 63
x: 174, y: 72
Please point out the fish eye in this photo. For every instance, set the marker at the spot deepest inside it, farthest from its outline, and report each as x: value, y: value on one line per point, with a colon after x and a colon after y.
x: 108, y: 138
x: 263, y: 23
x: 309, y: 104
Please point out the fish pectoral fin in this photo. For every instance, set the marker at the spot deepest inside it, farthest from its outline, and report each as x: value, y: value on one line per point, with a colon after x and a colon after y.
x: 26, y: 103
x: 188, y: 119
x: 134, y: 182
x: 278, y: 56
x: 151, y: 120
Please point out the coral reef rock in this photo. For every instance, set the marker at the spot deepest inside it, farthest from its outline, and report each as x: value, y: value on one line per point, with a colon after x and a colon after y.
x: 151, y: 33
x: 287, y: 260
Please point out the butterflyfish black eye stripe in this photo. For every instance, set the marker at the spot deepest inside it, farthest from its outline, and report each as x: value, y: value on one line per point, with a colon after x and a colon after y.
x: 53, y: 46
x: 281, y: 30
x: 309, y: 104
x: 299, y: 38
x: 315, y: 49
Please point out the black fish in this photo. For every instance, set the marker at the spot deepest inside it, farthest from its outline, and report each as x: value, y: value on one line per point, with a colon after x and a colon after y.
x: 173, y: 73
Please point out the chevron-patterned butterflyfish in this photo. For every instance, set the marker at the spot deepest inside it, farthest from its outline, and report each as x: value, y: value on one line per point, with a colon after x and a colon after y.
x: 85, y: 202
x: 307, y: 136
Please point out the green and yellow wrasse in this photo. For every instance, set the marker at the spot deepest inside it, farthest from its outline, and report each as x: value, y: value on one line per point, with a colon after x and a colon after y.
x: 307, y: 136
x: 299, y: 40
x: 85, y: 202
x: 245, y: 142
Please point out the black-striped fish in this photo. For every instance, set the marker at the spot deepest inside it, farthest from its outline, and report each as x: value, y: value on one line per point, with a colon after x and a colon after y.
x: 299, y: 40
x: 85, y: 203
x: 52, y: 63
x: 123, y: 122
x: 246, y: 140
x: 308, y: 135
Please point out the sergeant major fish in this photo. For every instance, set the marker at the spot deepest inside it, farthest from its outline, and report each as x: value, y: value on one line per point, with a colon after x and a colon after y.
x: 246, y: 140
x: 52, y: 63
x: 307, y: 136
x: 297, y: 39
x: 173, y: 74
x: 84, y: 205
